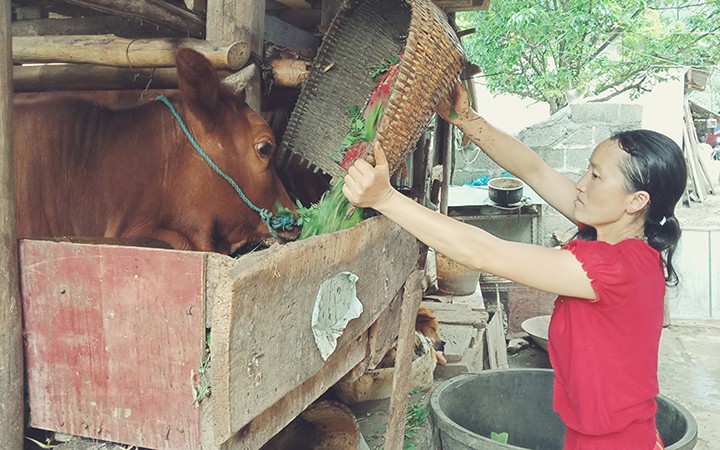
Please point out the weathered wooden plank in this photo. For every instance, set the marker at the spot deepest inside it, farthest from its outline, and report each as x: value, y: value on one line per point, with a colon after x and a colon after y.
x: 495, y: 341
x: 11, y: 356
x: 412, y: 297
x: 114, y: 337
x: 383, y: 332
x: 262, y: 339
x: 275, y: 418
x: 289, y: 36
x: 111, y: 50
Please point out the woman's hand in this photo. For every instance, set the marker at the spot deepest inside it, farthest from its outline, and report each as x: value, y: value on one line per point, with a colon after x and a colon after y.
x: 367, y: 186
x: 456, y: 109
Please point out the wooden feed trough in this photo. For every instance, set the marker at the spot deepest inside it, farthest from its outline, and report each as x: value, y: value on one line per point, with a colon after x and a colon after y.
x: 116, y: 335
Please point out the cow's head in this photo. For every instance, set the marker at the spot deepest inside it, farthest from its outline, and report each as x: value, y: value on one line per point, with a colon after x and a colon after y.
x: 241, y: 144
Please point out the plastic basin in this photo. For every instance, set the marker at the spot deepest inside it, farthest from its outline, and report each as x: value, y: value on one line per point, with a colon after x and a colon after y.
x: 467, y: 408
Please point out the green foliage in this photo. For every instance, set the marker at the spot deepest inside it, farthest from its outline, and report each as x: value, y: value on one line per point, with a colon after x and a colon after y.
x: 415, y: 417
x: 543, y: 50
x: 333, y: 212
x: 357, y: 129
x: 499, y: 437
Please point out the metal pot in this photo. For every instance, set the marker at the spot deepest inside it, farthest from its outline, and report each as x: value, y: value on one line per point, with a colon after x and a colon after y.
x: 505, y: 191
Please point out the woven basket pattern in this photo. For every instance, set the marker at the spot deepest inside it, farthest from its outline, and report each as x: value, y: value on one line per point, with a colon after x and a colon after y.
x: 363, y: 35
x: 432, y: 60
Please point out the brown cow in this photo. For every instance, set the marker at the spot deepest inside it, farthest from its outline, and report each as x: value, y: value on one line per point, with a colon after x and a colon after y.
x: 88, y: 170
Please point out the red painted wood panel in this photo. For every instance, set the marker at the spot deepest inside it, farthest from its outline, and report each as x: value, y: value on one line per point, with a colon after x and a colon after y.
x: 113, y: 336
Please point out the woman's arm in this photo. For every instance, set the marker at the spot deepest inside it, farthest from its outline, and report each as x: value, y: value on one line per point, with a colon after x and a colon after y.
x: 511, y: 154
x: 550, y: 270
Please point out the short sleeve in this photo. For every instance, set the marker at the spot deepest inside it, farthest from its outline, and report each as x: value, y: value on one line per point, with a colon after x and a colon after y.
x: 604, y: 266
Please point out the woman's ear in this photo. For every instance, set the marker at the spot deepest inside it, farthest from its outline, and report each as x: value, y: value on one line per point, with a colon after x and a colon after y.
x: 638, y: 202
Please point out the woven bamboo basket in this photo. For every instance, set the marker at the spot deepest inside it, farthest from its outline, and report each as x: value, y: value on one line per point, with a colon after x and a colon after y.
x: 363, y: 35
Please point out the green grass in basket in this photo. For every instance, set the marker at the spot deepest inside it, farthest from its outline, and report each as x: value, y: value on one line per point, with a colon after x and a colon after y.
x: 333, y: 212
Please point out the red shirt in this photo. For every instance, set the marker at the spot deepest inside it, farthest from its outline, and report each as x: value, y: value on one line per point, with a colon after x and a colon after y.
x: 605, y: 352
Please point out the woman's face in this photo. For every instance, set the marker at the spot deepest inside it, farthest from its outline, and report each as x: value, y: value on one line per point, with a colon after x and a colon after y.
x: 601, y: 195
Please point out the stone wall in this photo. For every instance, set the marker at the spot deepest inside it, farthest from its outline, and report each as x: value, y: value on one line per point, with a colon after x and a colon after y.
x: 565, y: 141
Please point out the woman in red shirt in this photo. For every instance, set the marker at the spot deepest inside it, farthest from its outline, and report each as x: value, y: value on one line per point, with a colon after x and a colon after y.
x: 610, y: 280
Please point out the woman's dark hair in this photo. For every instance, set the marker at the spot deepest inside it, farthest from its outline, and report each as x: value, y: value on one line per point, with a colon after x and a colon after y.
x: 656, y: 165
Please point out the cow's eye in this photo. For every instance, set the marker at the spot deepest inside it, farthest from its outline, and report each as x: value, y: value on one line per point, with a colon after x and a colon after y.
x: 264, y: 148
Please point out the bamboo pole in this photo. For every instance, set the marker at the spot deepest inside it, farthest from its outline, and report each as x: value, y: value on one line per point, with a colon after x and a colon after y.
x: 110, y: 50
x: 12, y: 412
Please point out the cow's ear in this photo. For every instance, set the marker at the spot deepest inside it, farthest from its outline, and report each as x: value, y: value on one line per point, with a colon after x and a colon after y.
x: 199, y: 84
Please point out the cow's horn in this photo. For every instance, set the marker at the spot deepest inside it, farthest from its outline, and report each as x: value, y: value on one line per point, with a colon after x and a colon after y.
x: 239, y: 80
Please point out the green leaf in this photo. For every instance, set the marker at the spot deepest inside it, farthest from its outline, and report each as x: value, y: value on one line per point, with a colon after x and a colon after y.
x: 499, y: 437
x: 453, y: 114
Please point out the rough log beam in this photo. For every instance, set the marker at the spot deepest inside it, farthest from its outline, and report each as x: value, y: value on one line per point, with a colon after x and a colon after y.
x: 111, y: 50
x: 119, y: 26
x: 155, y: 11
x: 84, y: 77
x: 81, y: 77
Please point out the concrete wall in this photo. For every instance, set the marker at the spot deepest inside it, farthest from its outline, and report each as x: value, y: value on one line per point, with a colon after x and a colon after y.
x: 565, y: 141
x: 697, y: 262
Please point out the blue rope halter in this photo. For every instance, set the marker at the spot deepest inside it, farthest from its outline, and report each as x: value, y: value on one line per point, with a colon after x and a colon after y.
x: 271, y: 221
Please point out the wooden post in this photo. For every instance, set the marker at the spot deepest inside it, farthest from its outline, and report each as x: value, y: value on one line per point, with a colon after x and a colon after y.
x: 244, y: 20
x: 329, y: 10
x: 12, y: 413
x: 412, y: 297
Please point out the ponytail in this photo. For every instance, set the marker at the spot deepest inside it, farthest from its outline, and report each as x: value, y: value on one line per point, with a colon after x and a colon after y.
x: 656, y: 165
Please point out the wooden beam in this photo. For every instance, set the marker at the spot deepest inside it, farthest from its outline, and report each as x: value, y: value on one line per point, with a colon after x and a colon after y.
x: 88, y: 77
x: 155, y: 11
x: 239, y: 20
x: 12, y: 412
x: 296, y: 4
x: 82, y: 77
x: 119, y: 26
x: 111, y: 50
x: 289, y: 36
x: 463, y: 5
x: 199, y: 7
x: 412, y: 297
